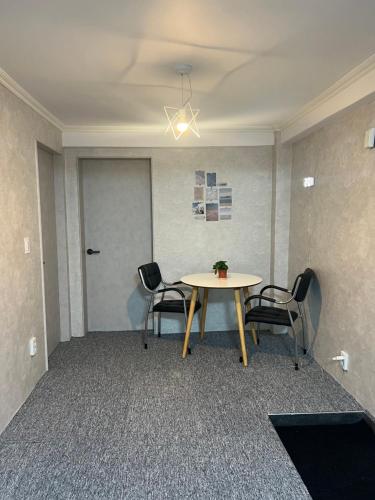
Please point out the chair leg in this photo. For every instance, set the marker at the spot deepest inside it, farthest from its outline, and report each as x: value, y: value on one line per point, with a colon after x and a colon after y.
x: 302, y: 314
x: 246, y: 293
x: 303, y: 336
x: 159, y: 324
x: 258, y: 336
x: 186, y: 320
x: 144, y: 332
x: 296, y: 360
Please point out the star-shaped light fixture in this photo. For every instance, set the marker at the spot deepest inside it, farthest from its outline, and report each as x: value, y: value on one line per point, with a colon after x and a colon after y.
x: 184, y: 118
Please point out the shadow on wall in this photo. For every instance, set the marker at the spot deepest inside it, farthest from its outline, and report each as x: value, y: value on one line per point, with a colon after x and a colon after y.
x: 314, y: 303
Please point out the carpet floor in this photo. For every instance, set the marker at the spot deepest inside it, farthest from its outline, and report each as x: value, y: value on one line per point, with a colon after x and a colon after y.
x: 112, y: 420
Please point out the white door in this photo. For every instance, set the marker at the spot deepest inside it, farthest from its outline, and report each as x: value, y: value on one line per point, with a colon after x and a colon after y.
x: 116, y: 217
x: 49, y: 247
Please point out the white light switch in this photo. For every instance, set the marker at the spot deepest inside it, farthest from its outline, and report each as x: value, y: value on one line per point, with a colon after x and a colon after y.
x: 308, y: 182
x: 26, y: 242
x: 32, y: 346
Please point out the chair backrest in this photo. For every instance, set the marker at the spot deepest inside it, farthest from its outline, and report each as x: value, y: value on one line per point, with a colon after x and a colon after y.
x: 301, y: 285
x: 150, y: 275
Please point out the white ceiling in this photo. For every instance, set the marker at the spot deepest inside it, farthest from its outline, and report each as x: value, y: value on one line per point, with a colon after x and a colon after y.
x: 111, y: 62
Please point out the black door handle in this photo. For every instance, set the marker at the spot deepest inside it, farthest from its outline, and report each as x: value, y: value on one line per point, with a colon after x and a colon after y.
x: 90, y: 251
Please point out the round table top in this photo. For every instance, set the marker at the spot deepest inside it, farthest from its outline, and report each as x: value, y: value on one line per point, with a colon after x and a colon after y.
x: 210, y: 280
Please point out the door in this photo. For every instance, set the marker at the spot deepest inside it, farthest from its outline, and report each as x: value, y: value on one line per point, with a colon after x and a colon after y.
x: 116, y: 219
x: 49, y: 247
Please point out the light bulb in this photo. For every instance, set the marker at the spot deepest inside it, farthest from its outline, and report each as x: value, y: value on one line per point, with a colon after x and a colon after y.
x: 182, y: 126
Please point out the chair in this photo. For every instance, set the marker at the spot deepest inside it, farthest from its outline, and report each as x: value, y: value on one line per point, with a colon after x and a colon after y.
x: 279, y: 316
x: 153, y: 283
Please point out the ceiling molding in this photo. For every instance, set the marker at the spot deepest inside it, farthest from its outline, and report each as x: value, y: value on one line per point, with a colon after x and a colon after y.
x: 356, y: 85
x: 16, y: 89
x: 156, y: 137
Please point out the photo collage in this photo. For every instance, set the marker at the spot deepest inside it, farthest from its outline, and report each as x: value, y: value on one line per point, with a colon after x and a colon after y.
x: 212, y: 199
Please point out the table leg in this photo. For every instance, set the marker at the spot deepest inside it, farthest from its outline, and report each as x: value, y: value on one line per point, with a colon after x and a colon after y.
x: 190, y: 320
x: 237, y: 297
x: 204, y: 310
x: 246, y: 293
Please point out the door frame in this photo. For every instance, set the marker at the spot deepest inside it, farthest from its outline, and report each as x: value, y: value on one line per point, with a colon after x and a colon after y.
x: 82, y: 261
x: 39, y: 145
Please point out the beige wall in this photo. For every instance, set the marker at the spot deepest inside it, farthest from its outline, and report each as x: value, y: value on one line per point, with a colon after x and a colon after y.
x: 21, y: 304
x: 333, y: 231
x: 181, y: 244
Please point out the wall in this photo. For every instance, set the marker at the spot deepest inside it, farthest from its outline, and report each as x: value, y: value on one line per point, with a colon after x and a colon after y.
x: 21, y: 304
x: 181, y: 244
x: 333, y: 231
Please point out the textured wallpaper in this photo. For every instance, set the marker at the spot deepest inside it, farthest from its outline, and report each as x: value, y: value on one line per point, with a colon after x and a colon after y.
x: 21, y: 304
x: 182, y: 244
x: 333, y: 231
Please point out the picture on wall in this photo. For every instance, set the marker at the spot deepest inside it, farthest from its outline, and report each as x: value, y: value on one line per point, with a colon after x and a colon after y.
x: 212, y: 200
x: 199, y: 193
x: 211, y: 194
x: 198, y: 210
x: 212, y: 212
x: 225, y: 197
x: 211, y: 179
x: 200, y: 177
x: 225, y: 213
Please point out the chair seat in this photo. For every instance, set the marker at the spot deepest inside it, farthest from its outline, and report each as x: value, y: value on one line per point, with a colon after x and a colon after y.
x: 270, y: 315
x: 174, y: 306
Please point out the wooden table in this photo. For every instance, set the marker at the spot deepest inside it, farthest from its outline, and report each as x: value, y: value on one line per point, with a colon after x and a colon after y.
x: 235, y: 282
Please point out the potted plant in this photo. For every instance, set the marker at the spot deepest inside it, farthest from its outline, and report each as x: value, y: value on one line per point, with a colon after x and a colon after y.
x: 220, y: 267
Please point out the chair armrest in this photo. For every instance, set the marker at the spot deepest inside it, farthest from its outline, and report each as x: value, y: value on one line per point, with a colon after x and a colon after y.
x: 274, y: 287
x: 269, y: 299
x: 171, y: 284
x: 260, y: 297
x: 171, y: 289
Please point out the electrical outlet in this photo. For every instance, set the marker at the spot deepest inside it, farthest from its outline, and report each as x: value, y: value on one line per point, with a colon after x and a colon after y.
x: 26, y: 243
x: 344, y: 360
x: 32, y: 346
x: 370, y: 138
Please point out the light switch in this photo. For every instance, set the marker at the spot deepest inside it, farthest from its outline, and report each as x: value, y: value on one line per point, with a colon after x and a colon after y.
x: 308, y: 182
x: 26, y: 242
x: 32, y: 346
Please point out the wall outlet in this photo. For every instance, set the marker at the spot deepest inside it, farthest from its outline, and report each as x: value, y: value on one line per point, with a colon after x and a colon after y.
x: 32, y: 346
x: 370, y: 138
x: 26, y: 243
x: 344, y: 360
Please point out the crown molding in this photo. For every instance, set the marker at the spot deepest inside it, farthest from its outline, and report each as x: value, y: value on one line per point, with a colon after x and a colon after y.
x: 8, y: 82
x: 354, y: 86
x: 120, y: 136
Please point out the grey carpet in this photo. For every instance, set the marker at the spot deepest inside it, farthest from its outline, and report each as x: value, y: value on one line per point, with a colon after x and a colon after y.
x: 111, y: 420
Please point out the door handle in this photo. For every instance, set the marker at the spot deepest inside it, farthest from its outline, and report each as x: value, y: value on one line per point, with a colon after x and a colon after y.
x: 90, y: 251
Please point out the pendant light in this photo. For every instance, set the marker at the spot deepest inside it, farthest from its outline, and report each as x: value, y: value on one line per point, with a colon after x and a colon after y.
x: 183, y: 118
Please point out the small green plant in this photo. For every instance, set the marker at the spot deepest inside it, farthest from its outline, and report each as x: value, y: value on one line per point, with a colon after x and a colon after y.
x: 220, y: 265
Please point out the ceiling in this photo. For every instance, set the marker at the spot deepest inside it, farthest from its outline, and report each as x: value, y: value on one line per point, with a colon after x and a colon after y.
x: 255, y: 62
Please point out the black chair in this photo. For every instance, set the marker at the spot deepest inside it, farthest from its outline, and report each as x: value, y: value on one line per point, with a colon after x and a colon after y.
x: 285, y: 317
x: 153, y: 283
